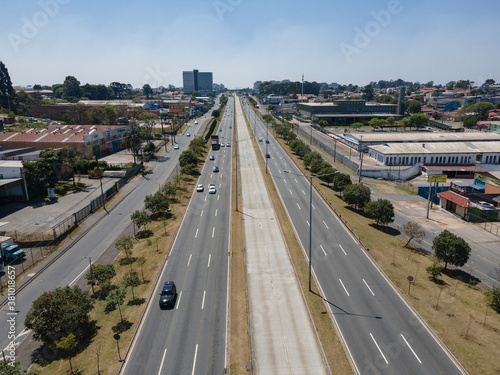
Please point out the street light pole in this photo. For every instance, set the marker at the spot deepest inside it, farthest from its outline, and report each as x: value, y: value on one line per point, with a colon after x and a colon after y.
x: 100, y: 179
x: 310, y: 217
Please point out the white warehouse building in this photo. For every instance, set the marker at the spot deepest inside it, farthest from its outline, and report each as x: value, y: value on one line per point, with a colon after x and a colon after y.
x: 436, y: 153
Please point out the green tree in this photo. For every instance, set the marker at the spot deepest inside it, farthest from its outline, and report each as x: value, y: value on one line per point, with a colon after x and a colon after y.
x: 216, y: 113
x: 147, y: 90
x: 67, y: 346
x: 450, y: 248
x: 418, y: 120
x: 142, y: 261
x: 415, y: 106
x: 413, y: 231
x: 470, y: 122
x: 133, y: 140
x: 317, y: 165
x: 116, y: 298
x: 7, y: 92
x: 493, y: 298
x: 310, y: 157
x: 188, y: 157
x: 195, y: 94
x: 327, y: 173
x: 149, y: 147
x: 340, y: 181
x: 71, y: 157
x: 110, y: 114
x: 170, y: 189
x: 434, y: 271
x: 148, y: 120
x: 140, y: 218
x: 7, y: 368
x: 368, y: 93
x: 156, y: 203
x: 357, y: 195
x: 131, y: 280
x: 78, y: 113
x: 53, y: 313
x: 381, y: 210
x: 101, y: 275
x: 71, y: 88
x: 126, y: 245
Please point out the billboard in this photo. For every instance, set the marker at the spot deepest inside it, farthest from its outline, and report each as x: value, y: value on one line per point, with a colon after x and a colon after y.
x: 176, y: 108
x: 437, y: 178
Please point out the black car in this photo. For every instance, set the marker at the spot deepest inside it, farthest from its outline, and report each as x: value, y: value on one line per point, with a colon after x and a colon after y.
x: 216, y: 169
x: 168, y: 295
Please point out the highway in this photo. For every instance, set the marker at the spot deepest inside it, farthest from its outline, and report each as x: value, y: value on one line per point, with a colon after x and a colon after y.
x: 71, y: 266
x: 191, y: 338
x: 381, y: 332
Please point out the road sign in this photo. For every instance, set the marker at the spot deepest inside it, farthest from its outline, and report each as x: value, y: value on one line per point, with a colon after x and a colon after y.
x: 437, y: 178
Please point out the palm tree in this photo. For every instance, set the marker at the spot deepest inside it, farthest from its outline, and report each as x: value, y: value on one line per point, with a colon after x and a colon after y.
x: 133, y: 139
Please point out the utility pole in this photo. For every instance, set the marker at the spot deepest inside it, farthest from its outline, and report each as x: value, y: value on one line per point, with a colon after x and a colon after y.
x: 361, y: 157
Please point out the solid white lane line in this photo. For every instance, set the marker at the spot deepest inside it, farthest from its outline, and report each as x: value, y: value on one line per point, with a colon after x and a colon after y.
x: 323, y: 249
x: 378, y: 347
x: 201, y: 213
x: 215, y: 212
x: 341, y: 248
x: 416, y: 356
x: 298, y: 206
x: 203, y: 301
x: 344, y: 288
x: 194, y: 360
x: 189, y: 260
x: 178, y: 300
x: 213, y: 232
x: 162, y: 360
x: 325, y: 225
x: 370, y: 289
x: 209, y: 257
x: 290, y: 191
x: 196, y: 234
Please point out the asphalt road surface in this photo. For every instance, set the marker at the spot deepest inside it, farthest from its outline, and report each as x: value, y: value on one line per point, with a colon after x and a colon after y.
x: 381, y: 332
x: 191, y: 338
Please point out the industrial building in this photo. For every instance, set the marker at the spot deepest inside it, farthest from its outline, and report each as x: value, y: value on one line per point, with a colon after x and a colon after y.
x: 197, y: 81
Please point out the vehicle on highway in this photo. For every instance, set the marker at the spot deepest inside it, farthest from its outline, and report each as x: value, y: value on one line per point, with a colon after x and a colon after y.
x: 196, y: 122
x: 222, y: 144
x: 260, y: 139
x: 228, y: 144
x: 211, y: 189
x: 199, y: 187
x: 268, y: 156
x: 216, y: 169
x: 188, y: 134
x: 168, y: 295
x: 212, y: 157
x: 46, y: 120
x: 267, y: 140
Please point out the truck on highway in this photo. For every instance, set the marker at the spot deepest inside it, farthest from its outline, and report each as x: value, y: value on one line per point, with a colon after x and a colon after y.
x: 215, y: 142
x: 10, y: 251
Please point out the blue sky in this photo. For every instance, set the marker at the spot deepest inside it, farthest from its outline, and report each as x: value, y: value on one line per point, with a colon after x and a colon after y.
x: 242, y: 41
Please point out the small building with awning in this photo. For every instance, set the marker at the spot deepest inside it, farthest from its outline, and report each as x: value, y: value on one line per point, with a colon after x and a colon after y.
x: 455, y: 203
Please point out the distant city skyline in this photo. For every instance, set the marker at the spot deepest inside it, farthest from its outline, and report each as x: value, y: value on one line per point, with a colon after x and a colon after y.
x: 43, y: 41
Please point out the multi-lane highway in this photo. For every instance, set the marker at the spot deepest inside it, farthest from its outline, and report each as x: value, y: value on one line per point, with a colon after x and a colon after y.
x: 381, y: 332
x: 191, y: 337
x: 71, y: 266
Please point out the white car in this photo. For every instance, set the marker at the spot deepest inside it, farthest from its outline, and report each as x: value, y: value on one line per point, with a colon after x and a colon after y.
x: 196, y: 122
x: 188, y: 134
x: 211, y: 189
x: 176, y: 147
x: 228, y: 144
x: 199, y: 187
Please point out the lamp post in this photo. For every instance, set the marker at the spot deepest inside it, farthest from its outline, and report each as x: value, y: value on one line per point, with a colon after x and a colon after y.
x: 100, y: 179
x: 91, y: 275
x: 310, y: 214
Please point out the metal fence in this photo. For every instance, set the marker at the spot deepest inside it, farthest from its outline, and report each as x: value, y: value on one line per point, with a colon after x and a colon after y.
x: 337, y: 157
x: 490, y: 227
x: 61, y: 228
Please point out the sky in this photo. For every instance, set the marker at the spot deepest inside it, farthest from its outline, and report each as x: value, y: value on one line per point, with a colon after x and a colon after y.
x: 243, y: 41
